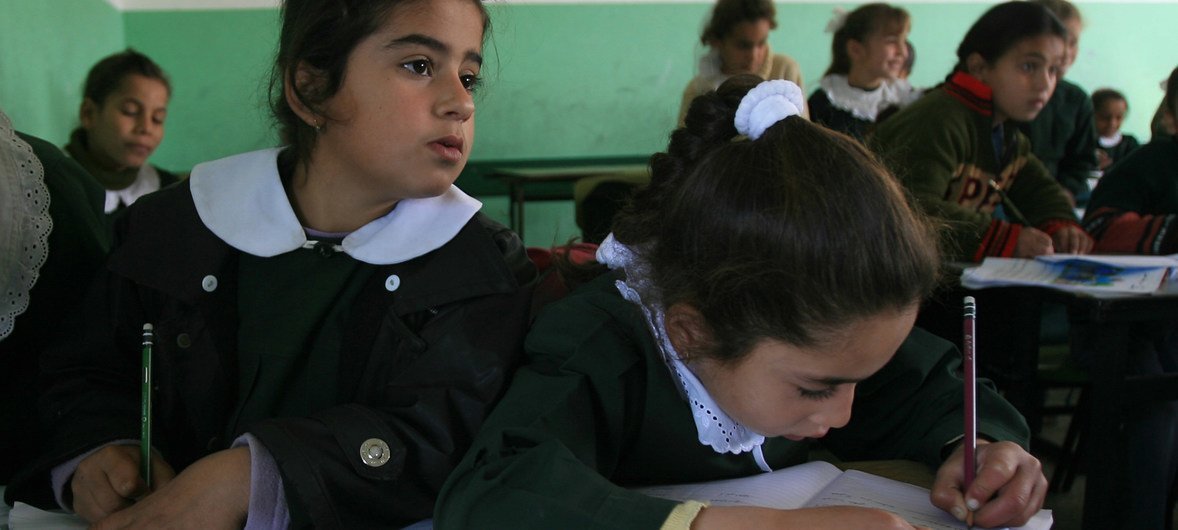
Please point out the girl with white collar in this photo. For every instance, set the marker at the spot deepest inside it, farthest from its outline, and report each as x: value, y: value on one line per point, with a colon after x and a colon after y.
x: 868, y: 54
x: 332, y: 319
x: 761, y: 299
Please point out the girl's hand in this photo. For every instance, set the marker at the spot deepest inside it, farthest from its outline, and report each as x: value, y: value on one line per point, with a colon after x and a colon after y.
x: 830, y: 517
x: 1032, y: 242
x: 108, y: 481
x: 213, y: 492
x: 1072, y: 240
x: 1007, y: 490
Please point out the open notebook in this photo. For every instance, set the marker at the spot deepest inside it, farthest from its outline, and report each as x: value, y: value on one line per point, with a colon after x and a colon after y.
x: 818, y: 483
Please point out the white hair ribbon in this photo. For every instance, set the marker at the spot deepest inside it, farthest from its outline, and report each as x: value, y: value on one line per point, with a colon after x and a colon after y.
x: 838, y: 19
x: 766, y: 104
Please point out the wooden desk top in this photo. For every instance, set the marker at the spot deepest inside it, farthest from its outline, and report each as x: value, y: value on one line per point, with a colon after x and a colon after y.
x: 560, y: 173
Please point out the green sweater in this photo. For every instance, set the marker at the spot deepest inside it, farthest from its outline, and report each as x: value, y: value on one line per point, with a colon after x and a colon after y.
x: 941, y: 149
x: 594, y: 411
x: 1063, y: 136
x: 1135, y: 205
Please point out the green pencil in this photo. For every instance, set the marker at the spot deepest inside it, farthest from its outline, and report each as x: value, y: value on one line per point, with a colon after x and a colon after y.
x: 145, y: 410
x: 1011, y: 209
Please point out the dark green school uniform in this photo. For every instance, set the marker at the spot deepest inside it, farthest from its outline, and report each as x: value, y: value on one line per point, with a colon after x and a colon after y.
x: 78, y: 244
x: 1063, y: 137
x: 595, y: 411
x: 1135, y: 206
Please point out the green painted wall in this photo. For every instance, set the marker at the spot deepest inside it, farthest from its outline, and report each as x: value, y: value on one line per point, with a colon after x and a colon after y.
x: 46, y: 48
x: 563, y: 80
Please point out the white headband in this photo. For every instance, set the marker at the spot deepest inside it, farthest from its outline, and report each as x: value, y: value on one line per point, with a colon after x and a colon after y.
x: 766, y: 104
x: 838, y: 19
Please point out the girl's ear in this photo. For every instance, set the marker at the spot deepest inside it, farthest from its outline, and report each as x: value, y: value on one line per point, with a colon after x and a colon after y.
x: 305, y: 78
x: 88, y: 113
x: 856, y: 50
x: 686, y: 329
x: 976, y: 65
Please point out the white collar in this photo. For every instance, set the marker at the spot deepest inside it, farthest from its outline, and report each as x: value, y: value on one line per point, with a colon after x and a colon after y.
x: 713, y: 426
x: 867, y: 104
x: 242, y: 201
x: 1111, y: 141
x: 146, y: 181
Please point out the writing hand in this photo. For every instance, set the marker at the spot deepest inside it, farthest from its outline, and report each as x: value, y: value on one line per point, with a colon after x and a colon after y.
x: 1032, y: 242
x: 1008, y: 490
x: 1072, y: 240
x: 108, y: 480
x: 211, y: 493
x: 826, y: 518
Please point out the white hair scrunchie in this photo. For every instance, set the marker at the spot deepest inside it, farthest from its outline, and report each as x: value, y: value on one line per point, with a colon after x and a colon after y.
x: 766, y: 104
x: 838, y: 19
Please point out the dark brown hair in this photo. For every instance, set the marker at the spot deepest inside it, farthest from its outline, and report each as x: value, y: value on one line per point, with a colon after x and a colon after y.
x: 322, y: 35
x: 1062, y: 9
x: 107, y: 74
x: 860, y: 24
x: 1171, y: 99
x: 1105, y: 95
x: 728, y: 13
x: 1002, y: 27
x: 791, y: 236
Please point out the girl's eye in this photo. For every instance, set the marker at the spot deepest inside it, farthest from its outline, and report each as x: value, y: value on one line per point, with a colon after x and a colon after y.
x: 816, y: 395
x: 421, y: 67
x: 471, y: 82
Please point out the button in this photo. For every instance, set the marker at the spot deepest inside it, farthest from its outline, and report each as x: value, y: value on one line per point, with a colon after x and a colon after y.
x: 183, y: 340
x: 392, y: 282
x: 374, y: 452
x: 209, y: 283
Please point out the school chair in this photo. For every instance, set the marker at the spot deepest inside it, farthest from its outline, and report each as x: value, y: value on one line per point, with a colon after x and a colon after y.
x: 598, y: 198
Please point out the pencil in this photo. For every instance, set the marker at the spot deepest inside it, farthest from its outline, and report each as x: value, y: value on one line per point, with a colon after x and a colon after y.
x: 1011, y: 209
x: 969, y: 345
x: 145, y: 409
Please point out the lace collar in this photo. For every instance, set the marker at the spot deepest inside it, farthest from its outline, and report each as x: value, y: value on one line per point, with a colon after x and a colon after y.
x: 867, y: 104
x: 242, y: 201
x: 713, y: 426
x: 25, y: 225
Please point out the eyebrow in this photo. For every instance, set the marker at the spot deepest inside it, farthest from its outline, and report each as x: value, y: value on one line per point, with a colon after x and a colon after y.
x: 832, y: 381
x: 433, y: 44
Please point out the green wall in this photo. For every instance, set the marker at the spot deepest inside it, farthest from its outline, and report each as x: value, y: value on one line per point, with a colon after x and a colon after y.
x: 563, y: 80
x: 46, y: 48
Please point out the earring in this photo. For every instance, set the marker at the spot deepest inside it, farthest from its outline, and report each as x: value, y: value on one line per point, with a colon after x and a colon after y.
x: 318, y: 127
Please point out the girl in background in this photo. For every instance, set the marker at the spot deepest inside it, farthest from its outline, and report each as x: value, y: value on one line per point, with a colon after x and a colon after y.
x: 869, y: 52
x: 957, y: 153
x: 1134, y: 210
x: 333, y: 319
x: 723, y: 344
x: 1111, y: 107
x: 124, y: 107
x: 1063, y: 134
x: 737, y: 37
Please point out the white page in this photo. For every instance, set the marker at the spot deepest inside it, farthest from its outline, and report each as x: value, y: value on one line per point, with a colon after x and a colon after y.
x: 1011, y: 271
x: 785, y: 488
x: 25, y: 517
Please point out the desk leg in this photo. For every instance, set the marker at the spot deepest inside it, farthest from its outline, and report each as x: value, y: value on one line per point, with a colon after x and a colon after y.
x: 516, y: 209
x: 1106, y: 480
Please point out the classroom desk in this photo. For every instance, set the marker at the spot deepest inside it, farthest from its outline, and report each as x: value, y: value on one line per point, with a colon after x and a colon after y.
x: 520, y: 177
x: 1111, y: 391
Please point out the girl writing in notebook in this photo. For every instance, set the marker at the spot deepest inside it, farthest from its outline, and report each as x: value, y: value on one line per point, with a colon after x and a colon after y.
x: 958, y: 153
x: 869, y: 53
x: 760, y: 300
x: 332, y: 319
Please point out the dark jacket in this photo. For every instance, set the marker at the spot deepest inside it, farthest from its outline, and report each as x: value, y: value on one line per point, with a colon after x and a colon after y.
x: 419, y: 367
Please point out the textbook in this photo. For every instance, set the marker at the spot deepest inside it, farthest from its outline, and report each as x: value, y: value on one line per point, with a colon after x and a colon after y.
x: 1093, y: 274
x: 818, y: 483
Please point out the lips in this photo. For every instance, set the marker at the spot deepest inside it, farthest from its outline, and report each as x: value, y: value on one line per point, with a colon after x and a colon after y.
x: 448, y: 147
